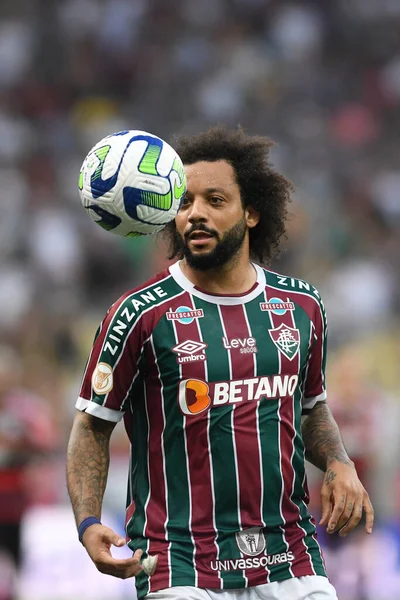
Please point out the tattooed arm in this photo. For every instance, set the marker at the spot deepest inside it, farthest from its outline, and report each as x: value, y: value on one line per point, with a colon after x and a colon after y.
x: 87, y: 464
x: 343, y: 497
x: 322, y: 439
x: 87, y: 470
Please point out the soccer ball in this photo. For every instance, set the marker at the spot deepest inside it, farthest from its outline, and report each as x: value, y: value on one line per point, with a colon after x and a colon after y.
x: 132, y: 183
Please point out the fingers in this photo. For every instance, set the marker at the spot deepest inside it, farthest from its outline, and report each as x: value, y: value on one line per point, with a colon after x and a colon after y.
x: 351, y: 514
x: 121, y: 568
x: 347, y: 513
x: 369, y: 514
x: 326, y: 506
x: 343, y: 500
x: 353, y: 520
x: 98, y: 541
x: 116, y: 540
x: 339, y: 506
x: 103, y: 534
x: 346, y: 508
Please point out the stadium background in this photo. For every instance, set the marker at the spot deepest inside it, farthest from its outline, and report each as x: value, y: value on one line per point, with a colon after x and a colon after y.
x: 323, y: 80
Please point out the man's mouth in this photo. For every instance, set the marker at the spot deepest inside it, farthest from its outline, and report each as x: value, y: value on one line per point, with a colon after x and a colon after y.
x: 200, y: 235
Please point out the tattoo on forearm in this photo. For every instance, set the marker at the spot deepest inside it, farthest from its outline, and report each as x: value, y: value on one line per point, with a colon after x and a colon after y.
x: 322, y: 440
x: 87, y: 467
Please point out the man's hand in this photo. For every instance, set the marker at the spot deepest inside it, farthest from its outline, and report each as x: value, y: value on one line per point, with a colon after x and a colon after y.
x: 344, y: 499
x: 98, y: 540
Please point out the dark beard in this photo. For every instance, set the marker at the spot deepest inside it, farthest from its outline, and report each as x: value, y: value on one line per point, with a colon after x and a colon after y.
x: 225, y: 250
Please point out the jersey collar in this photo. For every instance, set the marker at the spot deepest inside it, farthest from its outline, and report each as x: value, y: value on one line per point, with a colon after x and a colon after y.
x: 227, y: 300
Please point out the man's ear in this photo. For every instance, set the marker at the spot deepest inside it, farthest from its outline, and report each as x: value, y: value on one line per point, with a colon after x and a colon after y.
x: 252, y: 216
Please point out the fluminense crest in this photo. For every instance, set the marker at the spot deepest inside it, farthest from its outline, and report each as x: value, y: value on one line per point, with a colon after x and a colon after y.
x: 286, y: 339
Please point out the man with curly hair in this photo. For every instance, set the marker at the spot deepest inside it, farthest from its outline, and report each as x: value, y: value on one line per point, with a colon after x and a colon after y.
x: 217, y: 366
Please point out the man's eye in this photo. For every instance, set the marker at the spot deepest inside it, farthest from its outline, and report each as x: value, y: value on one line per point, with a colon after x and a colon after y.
x: 216, y: 199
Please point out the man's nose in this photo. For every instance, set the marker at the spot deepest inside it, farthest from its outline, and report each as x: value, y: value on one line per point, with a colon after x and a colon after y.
x: 198, y: 210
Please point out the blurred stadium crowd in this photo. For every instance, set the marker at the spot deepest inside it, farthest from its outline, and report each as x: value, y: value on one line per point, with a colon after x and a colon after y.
x: 322, y: 79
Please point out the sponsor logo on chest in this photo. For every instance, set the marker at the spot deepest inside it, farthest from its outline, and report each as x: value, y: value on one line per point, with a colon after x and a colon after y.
x: 189, y: 351
x: 245, y: 345
x: 195, y: 395
x: 184, y: 314
x: 277, y: 306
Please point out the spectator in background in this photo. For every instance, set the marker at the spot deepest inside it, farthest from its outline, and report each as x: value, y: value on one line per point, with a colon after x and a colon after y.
x: 27, y: 432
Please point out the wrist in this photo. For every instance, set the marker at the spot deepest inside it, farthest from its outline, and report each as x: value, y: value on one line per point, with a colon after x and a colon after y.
x: 343, y: 460
x: 87, y: 522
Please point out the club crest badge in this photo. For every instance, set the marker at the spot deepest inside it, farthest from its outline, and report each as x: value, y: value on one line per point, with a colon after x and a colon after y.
x: 286, y: 339
x: 251, y: 541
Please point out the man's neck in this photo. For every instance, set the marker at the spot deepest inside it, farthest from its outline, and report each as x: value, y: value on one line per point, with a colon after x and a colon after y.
x: 227, y: 279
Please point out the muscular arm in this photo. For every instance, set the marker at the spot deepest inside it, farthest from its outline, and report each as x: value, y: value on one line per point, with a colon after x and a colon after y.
x: 343, y: 497
x: 87, y: 469
x: 322, y: 440
x: 87, y: 464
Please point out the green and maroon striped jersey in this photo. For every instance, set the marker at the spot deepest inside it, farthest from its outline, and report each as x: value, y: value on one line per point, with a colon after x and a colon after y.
x: 212, y: 389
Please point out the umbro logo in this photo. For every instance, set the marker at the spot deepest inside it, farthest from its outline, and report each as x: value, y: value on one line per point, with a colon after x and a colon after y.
x: 191, y: 351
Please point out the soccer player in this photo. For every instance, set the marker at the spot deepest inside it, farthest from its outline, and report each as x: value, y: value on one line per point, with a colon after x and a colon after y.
x: 217, y: 367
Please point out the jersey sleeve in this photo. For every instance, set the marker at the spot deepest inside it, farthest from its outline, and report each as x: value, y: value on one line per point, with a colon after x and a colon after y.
x: 315, y: 386
x: 112, y: 366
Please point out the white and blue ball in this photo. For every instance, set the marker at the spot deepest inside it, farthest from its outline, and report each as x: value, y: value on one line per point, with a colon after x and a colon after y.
x: 132, y: 183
